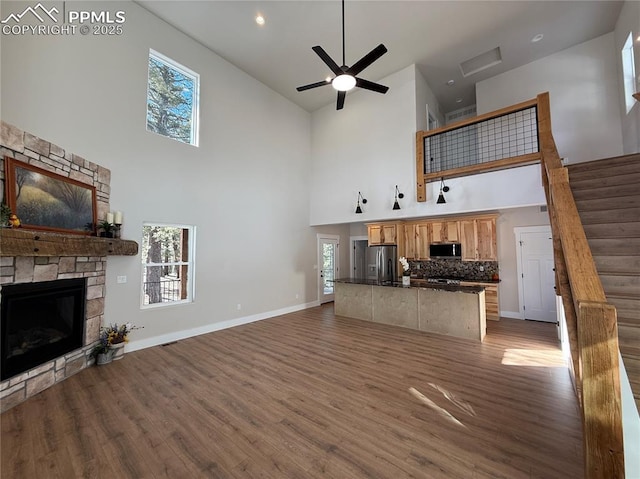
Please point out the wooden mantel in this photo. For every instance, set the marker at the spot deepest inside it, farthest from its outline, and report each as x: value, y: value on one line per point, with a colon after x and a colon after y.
x: 21, y: 242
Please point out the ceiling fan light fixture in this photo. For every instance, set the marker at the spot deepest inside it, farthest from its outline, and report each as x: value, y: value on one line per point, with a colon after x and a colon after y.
x: 346, y: 77
x: 343, y: 82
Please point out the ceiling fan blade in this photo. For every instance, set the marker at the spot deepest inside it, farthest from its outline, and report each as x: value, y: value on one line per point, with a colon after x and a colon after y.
x: 313, y: 85
x: 369, y: 85
x: 328, y: 60
x: 341, y: 97
x: 367, y: 60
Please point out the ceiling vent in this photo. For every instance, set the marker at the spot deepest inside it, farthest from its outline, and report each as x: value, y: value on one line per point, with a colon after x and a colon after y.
x: 481, y: 62
x: 461, y: 114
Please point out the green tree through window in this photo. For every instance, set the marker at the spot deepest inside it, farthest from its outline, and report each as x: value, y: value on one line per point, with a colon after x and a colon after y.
x: 172, y: 99
x: 167, y: 258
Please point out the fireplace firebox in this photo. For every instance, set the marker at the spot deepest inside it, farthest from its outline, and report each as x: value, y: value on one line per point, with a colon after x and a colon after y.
x: 40, y: 322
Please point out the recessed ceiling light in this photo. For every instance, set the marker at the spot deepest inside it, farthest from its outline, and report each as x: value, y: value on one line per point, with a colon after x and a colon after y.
x: 451, y: 82
x: 537, y: 38
x: 458, y: 100
x: 259, y: 19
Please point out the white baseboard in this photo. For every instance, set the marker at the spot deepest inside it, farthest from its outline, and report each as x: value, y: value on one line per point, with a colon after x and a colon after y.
x: 511, y: 314
x: 210, y: 328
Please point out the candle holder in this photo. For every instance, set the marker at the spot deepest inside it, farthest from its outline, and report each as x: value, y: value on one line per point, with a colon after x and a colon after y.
x: 117, y: 231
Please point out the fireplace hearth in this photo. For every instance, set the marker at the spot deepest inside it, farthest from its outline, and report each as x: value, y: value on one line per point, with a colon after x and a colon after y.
x: 40, y: 321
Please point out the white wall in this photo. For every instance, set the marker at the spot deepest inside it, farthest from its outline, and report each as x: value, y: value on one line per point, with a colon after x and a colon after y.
x: 425, y: 96
x: 245, y: 188
x: 629, y: 21
x: 370, y: 147
x: 367, y: 147
x: 583, y: 88
x: 507, y: 221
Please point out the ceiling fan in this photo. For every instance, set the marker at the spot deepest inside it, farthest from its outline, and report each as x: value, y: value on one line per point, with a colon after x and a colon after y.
x: 345, y: 77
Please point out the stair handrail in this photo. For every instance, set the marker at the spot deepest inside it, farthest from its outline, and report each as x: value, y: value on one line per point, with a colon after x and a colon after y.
x: 591, y: 321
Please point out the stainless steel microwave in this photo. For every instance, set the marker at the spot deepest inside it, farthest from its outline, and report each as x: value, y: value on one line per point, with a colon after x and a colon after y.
x: 445, y: 250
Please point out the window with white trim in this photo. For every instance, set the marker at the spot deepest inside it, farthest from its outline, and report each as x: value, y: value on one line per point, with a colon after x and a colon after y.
x: 172, y: 99
x: 628, y: 72
x: 167, y: 264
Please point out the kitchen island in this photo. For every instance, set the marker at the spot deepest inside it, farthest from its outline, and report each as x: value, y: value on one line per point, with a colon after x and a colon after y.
x: 439, y: 308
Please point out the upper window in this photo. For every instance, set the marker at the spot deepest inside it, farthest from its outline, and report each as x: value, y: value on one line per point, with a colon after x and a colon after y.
x: 628, y: 72
x: 167, y: 264
x: 172, y: 99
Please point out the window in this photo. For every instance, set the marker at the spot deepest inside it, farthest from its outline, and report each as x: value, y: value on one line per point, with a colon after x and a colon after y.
x: 172, y: 99
x: 167, y: 264
x: 628, y: 72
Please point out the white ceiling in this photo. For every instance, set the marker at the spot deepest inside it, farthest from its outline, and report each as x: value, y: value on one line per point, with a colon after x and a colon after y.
x: 435, y: 35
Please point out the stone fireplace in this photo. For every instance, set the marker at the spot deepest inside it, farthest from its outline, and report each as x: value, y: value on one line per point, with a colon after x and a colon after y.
x: 55, y: 259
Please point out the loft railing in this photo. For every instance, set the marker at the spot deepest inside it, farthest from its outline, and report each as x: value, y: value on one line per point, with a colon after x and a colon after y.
x: 501, y: 139
x: 591, y: 321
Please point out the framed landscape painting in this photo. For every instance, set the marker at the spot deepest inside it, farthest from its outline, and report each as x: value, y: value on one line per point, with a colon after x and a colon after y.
x: 47, y: 201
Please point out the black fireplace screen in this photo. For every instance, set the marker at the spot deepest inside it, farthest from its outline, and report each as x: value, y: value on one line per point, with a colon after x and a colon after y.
x: 40, y: 322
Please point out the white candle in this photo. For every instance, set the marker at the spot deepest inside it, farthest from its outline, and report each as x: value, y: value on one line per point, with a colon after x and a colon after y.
x: 118, y: 218
x: 110, y: 218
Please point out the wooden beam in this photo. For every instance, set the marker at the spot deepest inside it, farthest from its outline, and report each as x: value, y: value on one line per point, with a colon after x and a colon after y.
x: 602, y: 409
x: 512, y: 162
x: 19, y: 242
x: 584, y: 279
x: 547, y: 143
x: 563, y: 289
x: 421, y: 190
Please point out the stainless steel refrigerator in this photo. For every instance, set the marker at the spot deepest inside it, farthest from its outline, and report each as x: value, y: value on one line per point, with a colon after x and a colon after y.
x: 377, y: 263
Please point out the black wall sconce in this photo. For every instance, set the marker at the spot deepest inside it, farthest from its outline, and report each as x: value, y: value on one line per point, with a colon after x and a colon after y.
x: 443, y: 189
x: 364, y: 202
x: 396, y: 205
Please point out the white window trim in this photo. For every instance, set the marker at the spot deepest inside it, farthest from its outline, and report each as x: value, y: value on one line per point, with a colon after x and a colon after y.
x: 191, y: 280
x: 195, y: 111
x: 628, y: 72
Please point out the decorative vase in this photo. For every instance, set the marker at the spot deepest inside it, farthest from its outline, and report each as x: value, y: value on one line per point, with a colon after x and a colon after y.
x: 406, y: 280
x: 118, y: 351
x: 103, y: 358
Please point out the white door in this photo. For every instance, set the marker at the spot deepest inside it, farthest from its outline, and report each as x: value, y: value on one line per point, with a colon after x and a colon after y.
x: 328, y: 261
x: 536, y: 276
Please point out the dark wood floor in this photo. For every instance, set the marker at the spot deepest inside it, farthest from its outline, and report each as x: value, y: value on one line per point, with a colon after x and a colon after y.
x: 310, y: 395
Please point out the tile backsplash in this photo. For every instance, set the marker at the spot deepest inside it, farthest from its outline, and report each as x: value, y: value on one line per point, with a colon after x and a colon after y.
x: 470, y: 270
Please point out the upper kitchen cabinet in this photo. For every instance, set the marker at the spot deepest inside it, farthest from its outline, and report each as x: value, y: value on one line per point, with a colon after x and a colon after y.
x: 478, y: 238
x: 468, y: 233
x: 382, y: 233
x: 423, y: 240
x: 445, y: 232
x: 417, y: 237
x: 410, y: 238
x: 486, y: 237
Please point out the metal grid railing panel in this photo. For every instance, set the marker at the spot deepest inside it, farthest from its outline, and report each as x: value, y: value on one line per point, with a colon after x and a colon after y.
x: 507, y: 136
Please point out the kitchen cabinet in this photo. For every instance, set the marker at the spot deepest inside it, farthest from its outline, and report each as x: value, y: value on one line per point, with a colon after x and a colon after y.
x: 444, y: 232
x: 410, y: 238
x: 477, y: 234
x: 491, y: 299
x: 478, y: 238
x: 382, y: 233
x: 423, y: 240
x: 486, y: 239
x: 468, y: 238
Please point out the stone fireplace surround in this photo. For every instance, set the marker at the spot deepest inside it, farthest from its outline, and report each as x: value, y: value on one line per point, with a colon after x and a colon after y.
x: 22, y: 146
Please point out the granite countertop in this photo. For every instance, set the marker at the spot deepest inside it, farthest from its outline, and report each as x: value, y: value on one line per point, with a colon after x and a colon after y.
x: 415, y: 284
x: 465, y: 280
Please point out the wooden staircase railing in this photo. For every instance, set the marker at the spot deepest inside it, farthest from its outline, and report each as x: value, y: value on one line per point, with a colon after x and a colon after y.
x: 591, y: 321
